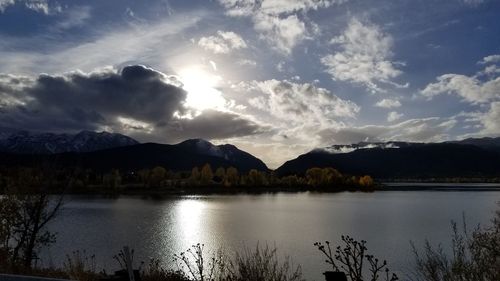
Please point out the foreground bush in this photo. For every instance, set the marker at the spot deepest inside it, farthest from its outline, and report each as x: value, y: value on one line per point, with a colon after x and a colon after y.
x: 153, y: 271
x: 475, y: 257
x: 261, y: 264
x: 351, y: 258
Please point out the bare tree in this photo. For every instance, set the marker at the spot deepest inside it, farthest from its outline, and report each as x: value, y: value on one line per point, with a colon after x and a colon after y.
x: 26, y: 209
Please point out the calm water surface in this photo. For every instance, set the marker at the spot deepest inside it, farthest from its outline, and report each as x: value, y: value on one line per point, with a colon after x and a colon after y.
x: 293, y: 222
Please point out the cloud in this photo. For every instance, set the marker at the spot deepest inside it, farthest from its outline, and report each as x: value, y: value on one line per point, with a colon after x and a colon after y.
x: 283, y: 33
x: 212, y: 124
x: 39, y: 6
x: 136, y: 100
x: 6, y: 3
x: 388, y: 103
x: 278, y: 21
x: 152, y: 44
x: 471, y: 89
x: 76, y: 16
x: 473, y: 3
x: 222, y: 43
x: 490, y: 120
x: 394, y: 116
x: 483, y: 87
x: 490, y: 59
x: 364, y: 57
x: 293, y: 112
x: 432, y: 129
x: 247, y: 62
x: 301, y: 103
x: 90, y: 100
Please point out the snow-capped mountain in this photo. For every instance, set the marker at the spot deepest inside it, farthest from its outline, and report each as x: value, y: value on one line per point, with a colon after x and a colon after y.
x: 49, y: 143
x: 405, y: 160
x: 346, y: 148
x: 227, y: 152
x: 487, y: 142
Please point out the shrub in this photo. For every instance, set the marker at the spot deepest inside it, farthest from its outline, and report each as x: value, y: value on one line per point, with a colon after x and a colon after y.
x: 262, y: 264
x: 351, y: 258
x: 193, y: 263
x: 79, y: 266
x: 153, y: 271
x: 474, y: 257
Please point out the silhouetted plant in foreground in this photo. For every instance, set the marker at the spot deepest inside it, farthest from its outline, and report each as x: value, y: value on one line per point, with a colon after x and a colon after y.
x: 80, y: 266
x: 261, y: 264
x: 351, y: 258
x: 153, y: 271
x: 475, y: 257
x: 194, y: 264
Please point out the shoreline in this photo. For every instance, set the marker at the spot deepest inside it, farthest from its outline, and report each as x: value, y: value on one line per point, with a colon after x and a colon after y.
x: 211, y: 190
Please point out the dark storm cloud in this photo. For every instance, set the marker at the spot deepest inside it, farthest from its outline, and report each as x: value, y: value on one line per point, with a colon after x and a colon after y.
x: 89, y: 101
x: 212, y: 124
x: 136, y: 100
x: 137, y: 92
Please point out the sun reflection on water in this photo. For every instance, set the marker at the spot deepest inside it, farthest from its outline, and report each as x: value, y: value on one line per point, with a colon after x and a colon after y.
x: 189, y: 220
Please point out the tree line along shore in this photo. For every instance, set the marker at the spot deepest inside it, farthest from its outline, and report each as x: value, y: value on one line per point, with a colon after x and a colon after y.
x: 158, y: 179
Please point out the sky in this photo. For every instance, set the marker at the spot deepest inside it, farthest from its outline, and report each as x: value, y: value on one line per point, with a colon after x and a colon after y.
x: 277, y: 78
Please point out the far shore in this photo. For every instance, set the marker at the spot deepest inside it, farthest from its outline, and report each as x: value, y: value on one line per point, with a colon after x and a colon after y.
x: 217, y: 190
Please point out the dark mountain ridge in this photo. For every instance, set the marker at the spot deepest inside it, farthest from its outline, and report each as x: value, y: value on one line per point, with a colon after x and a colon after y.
x: 179, y: 157
x: 478, y: 157
x: 24, y: 142
x: 405, y: 160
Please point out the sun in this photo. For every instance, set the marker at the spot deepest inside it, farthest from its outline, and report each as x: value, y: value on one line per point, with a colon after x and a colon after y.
x: 200, y: 86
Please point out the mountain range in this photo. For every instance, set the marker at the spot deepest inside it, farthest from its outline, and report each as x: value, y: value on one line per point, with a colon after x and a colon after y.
x: 479, y: 157
x: 474, y: 157
x: 24, y: 142
x: 105, y: 151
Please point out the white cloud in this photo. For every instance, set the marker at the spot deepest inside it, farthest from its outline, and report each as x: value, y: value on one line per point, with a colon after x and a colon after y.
x: 491, y: 120
x: 388, y: 103
x: 40, y: 6
x: 244, y: 8
x: 432, y: 129
x: 489, y: 70
x: 6, y: 3
x: 298, y: 103
x: 364, y: 57
x: 480, y: 88
x: 471, y: 89
x: 238, y: 8
x: 490, y: 59
x: 222, y: 43
x: 277, y: 7
x: 247, y: 62
x: 394, y: 116
x: 277, y: 21
x: 295, y: 112
x: 76, y: 16
x: 282, y: 33
x: 146, y: 45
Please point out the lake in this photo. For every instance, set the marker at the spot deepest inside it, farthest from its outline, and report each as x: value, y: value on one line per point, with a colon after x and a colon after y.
x: 388, y: 220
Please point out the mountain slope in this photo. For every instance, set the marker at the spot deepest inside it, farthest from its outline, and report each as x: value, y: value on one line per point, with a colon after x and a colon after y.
x: 179, y: 157
x: 492, y: 144
x: 49, y: 143
x: 410, y: 161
